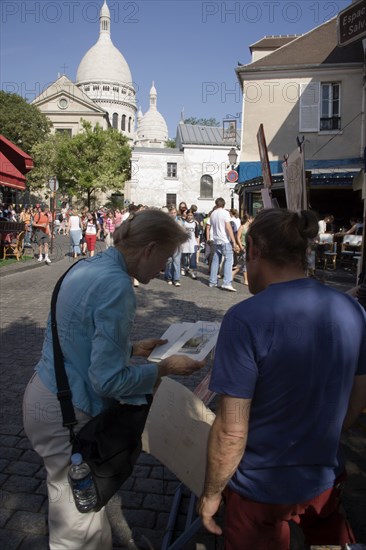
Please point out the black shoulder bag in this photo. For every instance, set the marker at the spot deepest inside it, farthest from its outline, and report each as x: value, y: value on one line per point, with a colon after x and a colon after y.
x: 110, y: 442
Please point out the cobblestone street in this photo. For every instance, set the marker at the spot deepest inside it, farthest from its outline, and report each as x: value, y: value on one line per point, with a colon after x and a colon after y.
x: 141, y: 509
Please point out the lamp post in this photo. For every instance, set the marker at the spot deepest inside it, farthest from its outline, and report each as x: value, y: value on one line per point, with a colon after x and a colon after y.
x: 233, y: 157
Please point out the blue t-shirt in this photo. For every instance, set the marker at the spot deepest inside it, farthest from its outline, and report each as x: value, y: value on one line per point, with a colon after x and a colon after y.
x: 293, y: 349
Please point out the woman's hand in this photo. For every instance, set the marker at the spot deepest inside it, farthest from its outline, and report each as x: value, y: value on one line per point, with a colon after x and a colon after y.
x: 143, y: 348
x: 179, y: 364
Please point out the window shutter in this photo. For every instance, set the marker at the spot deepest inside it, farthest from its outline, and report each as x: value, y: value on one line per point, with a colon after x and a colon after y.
x: 309, y: 107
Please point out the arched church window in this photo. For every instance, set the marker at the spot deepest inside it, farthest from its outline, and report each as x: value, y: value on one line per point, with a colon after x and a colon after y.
x: 123, y: 122
x: 95, y: 87
x: 106, y: 88
x: 115, y: 121
x: 87, y: 88
x: 206, y: 187
x: 129, y: 124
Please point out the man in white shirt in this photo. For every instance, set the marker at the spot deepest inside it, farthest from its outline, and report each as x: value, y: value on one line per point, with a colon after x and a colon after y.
x: 224, y: 243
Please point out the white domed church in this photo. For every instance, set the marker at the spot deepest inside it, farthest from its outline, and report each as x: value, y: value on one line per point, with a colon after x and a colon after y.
x: 104, y: 94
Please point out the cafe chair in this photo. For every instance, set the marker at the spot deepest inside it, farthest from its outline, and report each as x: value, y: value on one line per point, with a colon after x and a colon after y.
x: 16, y: 248
x: 351, y: 247
x: 330, y: 258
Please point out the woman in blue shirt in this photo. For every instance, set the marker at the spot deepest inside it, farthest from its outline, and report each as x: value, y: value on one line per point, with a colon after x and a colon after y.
x: 95, y: 314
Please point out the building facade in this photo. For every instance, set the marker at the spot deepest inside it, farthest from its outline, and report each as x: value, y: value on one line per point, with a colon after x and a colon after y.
x: 307, y: 88
x: 193, y: 172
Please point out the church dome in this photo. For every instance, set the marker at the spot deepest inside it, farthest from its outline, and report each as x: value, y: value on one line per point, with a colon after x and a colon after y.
x: 103, y: 62
x: 152, y: 126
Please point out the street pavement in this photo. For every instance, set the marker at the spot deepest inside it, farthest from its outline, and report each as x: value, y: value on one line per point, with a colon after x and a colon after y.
x: 139, y: 513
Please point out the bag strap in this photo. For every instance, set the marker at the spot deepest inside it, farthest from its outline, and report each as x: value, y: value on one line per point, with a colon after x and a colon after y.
x: 64, y: 394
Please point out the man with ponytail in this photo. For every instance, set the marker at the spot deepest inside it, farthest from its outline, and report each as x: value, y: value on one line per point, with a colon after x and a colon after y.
x: 290, y: 369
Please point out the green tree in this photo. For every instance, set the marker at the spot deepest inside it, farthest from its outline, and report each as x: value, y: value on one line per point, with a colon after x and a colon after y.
x: 49, y: 160
x: 170, y: 143
x: 95, y: 160
x: 202, y: 121
x: 21, y: 122
x: 91, y: 161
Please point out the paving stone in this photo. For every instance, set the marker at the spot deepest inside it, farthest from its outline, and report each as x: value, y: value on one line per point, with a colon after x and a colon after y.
x: 4, y: 516
x: 145, y: 458
x: 142, y: 472
x: 149, y: 485
x: 140, y: 518
x: 32, y: 542
x: 21, y: 468
x: 21, y: 501
x: 24, y: 443
x: 10, y: 454
x: 21, y: 484
x: 10, y: 539
x: 3, y: 478
x: 130, y: 499
x: 159, y: 503
x: 32, y: 456
x: 9, y: 441
x: 41, y: 474
x: 162, y: 521
x: 42, y: 489
x: 28, y: 522
x: 8, y: 427
x: 145, y: 538
x: 3, y: 464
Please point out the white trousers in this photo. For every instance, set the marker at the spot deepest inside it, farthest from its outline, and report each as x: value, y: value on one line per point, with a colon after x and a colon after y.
x: 68, y: 528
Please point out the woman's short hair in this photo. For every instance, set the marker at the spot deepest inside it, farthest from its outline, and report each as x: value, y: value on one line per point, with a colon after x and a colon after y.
x: 282, y: 236
x: 146, y: 226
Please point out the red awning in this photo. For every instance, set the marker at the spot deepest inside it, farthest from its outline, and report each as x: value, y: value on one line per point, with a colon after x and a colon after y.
x: 14, y: 164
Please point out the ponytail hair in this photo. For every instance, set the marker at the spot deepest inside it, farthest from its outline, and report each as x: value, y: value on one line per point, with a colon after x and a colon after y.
x: 146, y: 226
x: 282, y: 236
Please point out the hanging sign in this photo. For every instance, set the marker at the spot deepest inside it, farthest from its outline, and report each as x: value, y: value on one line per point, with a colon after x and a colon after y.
x: 53, y: 183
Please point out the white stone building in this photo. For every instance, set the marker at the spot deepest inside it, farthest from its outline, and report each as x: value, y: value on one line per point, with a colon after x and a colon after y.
x: 194, y: 172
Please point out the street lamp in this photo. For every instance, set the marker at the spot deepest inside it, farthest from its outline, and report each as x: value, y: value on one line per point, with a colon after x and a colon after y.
x: 233, y: 157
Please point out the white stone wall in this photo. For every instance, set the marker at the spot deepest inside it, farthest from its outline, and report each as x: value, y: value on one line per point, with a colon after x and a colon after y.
x: 150, y: 185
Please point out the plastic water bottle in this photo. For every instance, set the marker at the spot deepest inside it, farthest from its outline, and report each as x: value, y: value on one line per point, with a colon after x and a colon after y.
x: 82, y: 484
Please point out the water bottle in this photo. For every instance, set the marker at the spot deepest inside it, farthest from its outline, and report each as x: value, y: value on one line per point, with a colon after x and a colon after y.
x: 82, y: 484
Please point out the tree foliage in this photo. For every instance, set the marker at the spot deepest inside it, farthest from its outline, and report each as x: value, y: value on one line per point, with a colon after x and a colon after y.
x: 21, y: 122
x: 91, y: 161
x: 202, y: 121
x: 170, y: 143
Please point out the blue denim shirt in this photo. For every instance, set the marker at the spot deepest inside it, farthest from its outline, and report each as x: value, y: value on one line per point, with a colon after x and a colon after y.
x: 95, y: 313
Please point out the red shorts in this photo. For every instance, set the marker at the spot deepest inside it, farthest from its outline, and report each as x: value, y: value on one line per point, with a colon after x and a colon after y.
x: 255, y: 525
x: 90, y: 242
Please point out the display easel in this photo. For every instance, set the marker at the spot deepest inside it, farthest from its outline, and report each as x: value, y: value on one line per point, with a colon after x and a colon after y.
x: 193, y: 521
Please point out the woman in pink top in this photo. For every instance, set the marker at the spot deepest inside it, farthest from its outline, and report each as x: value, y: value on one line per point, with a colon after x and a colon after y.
x: 109, y: 227
x: 117, y: 217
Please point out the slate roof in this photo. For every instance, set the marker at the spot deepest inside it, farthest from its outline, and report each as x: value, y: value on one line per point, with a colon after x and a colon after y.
x: 194, y: 134
x: 273, y: 42
x: 317, y: 47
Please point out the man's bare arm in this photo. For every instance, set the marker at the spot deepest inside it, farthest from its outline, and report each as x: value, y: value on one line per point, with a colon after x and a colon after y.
x: 226, y: 447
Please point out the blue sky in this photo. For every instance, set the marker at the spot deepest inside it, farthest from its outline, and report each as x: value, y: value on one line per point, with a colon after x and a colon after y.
x: 189, y: 48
